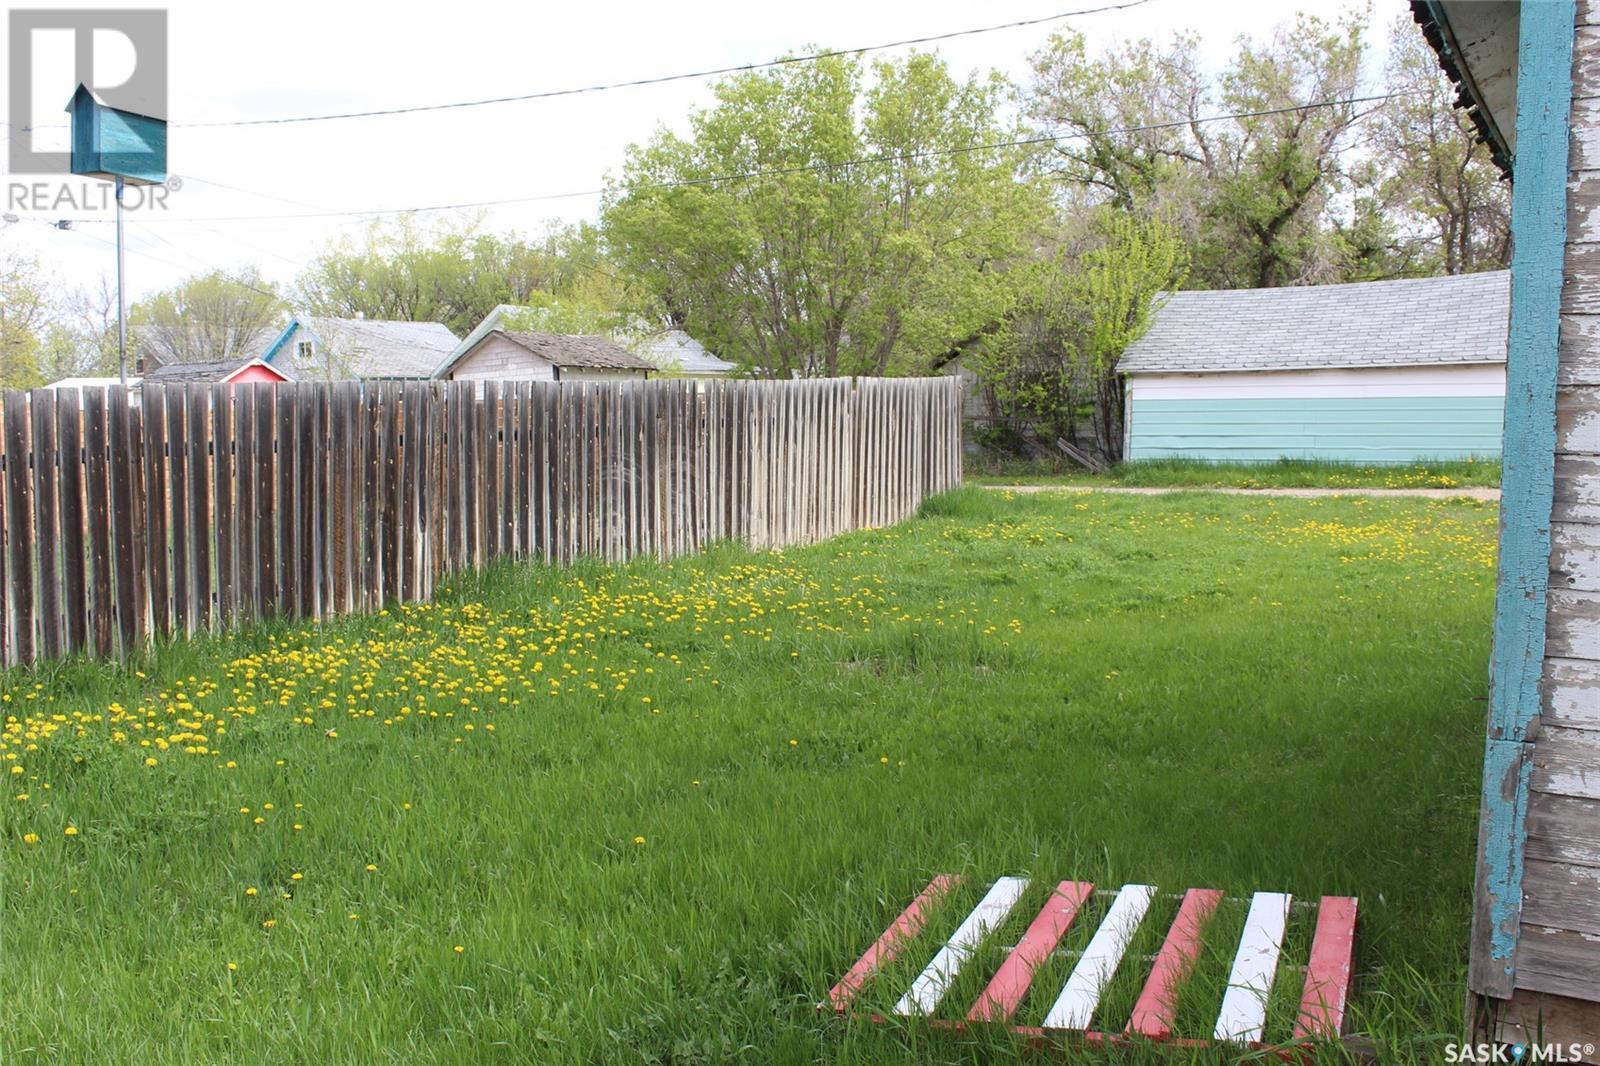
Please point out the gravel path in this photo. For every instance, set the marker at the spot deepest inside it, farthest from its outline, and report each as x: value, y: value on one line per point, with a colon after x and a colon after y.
x: 1140, y: 490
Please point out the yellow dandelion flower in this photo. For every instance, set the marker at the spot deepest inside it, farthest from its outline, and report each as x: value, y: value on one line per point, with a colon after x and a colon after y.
x: 30, y: 838
x: 459, y: 949
x: 71, y: 831
x: 638, y: 840
x: 371, y: 868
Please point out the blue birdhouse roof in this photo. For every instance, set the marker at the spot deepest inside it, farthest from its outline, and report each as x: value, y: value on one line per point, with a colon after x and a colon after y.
x: 108, y: 142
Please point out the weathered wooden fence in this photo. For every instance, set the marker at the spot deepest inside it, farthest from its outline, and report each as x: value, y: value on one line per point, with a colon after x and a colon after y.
x: 195, y: 508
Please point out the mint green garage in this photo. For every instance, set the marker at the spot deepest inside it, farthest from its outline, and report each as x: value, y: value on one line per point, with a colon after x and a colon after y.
x: 1370, y: 372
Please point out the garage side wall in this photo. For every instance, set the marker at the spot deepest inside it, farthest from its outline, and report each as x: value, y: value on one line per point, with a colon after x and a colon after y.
x: 1370, y: 415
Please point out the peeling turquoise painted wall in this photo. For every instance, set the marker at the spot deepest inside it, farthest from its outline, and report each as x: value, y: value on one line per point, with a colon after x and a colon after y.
x: 1371, y: 429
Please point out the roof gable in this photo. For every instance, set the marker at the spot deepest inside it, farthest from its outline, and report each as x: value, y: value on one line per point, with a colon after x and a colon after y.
x: 364, y: 347
x: 1413, y: 322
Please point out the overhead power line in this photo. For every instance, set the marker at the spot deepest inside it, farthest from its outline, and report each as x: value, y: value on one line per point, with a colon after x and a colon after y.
x: 549, y: 94
x: 750, y: 175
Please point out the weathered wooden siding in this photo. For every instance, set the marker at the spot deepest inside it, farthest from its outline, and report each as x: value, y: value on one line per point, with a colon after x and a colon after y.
x: 207, y: 505
x: 502, y: 359
x: 1558, y: 946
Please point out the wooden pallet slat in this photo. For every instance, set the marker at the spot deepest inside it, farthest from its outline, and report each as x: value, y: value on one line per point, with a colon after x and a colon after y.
x: 1243, y: 1017
x: 931, y: 983
x: 1329, y: 971
x: 888, y: 947
x: 1075, y: 1006
x: 1158, y: 1001
x: 1004, y: 993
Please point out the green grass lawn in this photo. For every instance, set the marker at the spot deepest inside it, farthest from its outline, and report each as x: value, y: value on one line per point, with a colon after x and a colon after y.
x: 651, y: 814
x: 1285, y: 473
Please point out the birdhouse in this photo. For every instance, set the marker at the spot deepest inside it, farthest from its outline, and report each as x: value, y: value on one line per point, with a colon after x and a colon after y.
x: 110, y: 143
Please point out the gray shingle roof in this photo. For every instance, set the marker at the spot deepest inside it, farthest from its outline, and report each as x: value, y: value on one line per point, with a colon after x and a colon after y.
x: 197, y: 372
x: 378, y: 348
x: 1416, y: 321
x: 676, y: 350
x: 562, y: 349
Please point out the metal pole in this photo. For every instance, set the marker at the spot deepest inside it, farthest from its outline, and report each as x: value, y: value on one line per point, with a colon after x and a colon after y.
x: 122, y: 300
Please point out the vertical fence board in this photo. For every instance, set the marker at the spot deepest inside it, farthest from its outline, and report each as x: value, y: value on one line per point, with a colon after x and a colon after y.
x: 412, y: 449
x: 158, y: 552
x: 265, y: 449
x: 45, y: 535
x: 5, y: 548
x: 98, y: 529
x: 244, y: 501
x: 201, y: 534
x: 19, y: 527
x: 371, y: 499
x: 287, y: 533
x: 74, y: 585
x: 124, y: 521
x: 222, y: 467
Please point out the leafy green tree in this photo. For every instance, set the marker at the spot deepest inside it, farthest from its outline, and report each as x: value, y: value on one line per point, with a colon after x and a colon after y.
x: 208, y: 317
x: 1127, y: 121
x: 453, y: 273
x: 1255, y: 195
x: 1275, y: 172
x: 24, y: 317
x: 863, y: 228
x: 1079, y: 307
x: 1450, y: 206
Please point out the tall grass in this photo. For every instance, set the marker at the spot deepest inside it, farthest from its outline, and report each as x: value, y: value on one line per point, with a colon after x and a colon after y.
x: 745, y: 766
x: 1284, y: 473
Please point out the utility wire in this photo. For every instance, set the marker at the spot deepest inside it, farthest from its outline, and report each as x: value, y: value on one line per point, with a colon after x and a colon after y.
x: 718, y: 179
x: 663, y: 79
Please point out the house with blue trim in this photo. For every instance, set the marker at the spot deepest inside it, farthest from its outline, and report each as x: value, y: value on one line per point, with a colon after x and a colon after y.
x: 1529, y: 73
x: 1368, y: 372
x: 320, y: 348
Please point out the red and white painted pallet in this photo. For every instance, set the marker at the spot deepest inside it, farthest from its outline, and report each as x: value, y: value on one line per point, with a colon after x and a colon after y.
x: 1243, y: 1016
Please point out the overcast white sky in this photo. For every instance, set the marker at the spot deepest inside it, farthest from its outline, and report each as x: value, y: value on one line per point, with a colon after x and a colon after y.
x: 232, y: 61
